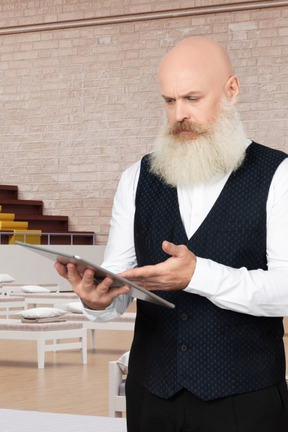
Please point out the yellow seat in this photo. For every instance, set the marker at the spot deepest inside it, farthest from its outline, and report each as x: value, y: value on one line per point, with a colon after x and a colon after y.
x: 27, y: 236
x: 7, y: 216
x: 11, y: 225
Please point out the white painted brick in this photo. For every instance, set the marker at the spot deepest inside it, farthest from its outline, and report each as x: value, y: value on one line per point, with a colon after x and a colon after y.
x: 80, y: 105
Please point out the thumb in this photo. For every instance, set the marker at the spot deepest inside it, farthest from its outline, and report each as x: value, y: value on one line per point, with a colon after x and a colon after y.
x: 171, y: 248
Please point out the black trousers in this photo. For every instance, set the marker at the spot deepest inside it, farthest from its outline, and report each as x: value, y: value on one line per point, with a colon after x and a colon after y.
x: 260, y: 411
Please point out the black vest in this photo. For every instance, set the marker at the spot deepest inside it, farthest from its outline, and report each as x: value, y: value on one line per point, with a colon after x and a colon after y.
x: 210, y: 351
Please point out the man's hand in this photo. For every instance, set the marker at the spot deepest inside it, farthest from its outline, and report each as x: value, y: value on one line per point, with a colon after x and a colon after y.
x: 173, y: 274
x: 94, y: 296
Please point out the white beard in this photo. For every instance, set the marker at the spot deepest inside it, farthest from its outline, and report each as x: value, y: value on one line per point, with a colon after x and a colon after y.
x: 212, y: 151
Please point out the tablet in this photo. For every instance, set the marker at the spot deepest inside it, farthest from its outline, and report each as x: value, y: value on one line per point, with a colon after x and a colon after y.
x: 100, y: 273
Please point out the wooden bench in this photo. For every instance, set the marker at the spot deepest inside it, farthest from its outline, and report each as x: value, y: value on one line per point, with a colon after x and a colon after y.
x: 51, y: 298
x: 16, y: 288
x: 125, y: 322
x: 10, y: 306
x: 43, y: 332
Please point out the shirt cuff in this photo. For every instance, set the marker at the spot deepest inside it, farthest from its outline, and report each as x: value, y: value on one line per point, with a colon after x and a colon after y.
x: 202, y: 283
x: 105, y: 315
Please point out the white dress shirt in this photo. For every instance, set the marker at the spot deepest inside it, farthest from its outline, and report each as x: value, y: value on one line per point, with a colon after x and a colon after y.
x: 255, y: 292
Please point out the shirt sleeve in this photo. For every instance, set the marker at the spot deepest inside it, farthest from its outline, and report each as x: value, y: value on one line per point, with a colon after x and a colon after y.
x: 256, y: 292
x: 120, y: 251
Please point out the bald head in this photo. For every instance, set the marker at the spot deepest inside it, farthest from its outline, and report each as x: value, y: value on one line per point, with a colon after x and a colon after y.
x: 199, y: 67
x: 199, y: 54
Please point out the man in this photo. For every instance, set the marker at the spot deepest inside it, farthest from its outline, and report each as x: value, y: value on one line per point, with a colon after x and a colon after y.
x: 203, y: 222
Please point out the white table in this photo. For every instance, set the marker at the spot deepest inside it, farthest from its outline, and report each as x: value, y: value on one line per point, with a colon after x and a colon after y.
x: 34, y: 421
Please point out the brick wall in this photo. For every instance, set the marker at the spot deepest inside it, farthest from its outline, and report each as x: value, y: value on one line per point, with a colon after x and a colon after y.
x: 79, y: 93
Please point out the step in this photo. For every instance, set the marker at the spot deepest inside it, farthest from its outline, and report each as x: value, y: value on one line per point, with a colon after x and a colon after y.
x: 13, y: 225
x: 4, y: 238
x: 7, y: 216
x: 54, y: 238
x: 21, y: 207
x: 30, y: 236
x: 8, y: 192
x: 46, y: 223
x: 58, y: 238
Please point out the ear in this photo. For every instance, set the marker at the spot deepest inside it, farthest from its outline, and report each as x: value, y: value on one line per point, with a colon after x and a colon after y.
x: 232, y: 89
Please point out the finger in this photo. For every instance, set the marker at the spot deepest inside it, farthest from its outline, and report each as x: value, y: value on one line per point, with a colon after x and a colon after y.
x: 176, y: 251
x: 61, y: 269
x: 101, y: 296
x: 116, y: 291
x: 172, y: 249
x: 72, y: 274
x: 138, y: 273
x: 104, y: 285
x: 167, y: 247
x: 88, y: 277
x: 103, y: 288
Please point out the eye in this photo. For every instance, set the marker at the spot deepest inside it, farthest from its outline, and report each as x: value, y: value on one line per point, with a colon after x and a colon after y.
x: 193, y: 98
x: 169, y: 101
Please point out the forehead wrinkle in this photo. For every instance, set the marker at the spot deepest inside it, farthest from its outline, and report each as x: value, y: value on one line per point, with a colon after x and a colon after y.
x: 183, y: 95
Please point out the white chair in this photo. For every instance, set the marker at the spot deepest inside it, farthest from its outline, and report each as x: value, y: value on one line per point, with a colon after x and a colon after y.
x: 45, y: 332
x: 125, y: 322
x: 10, y: 306
x: 117, y: 372
x: 51, y: 298
x: 17, y: 288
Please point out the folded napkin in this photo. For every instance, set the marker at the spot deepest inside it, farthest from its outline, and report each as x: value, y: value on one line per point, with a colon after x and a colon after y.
x: 42, y: 320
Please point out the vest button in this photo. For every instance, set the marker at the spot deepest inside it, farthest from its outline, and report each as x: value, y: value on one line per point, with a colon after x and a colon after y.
x: 184, y: 317
x: 184, y: 348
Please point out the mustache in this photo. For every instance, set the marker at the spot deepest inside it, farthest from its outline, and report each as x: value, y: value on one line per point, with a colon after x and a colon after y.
x: 187, y: 126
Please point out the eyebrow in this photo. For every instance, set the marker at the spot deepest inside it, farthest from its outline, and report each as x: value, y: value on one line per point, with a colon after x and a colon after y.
x: 192, y: 93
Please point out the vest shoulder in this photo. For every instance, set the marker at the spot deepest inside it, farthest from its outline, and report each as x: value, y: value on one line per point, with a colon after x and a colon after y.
x: 264, y: 150
x: 146, y: 165
x: 145, y: 161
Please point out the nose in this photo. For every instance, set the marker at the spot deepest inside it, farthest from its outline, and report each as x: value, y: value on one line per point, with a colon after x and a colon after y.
x: 181, y: 111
